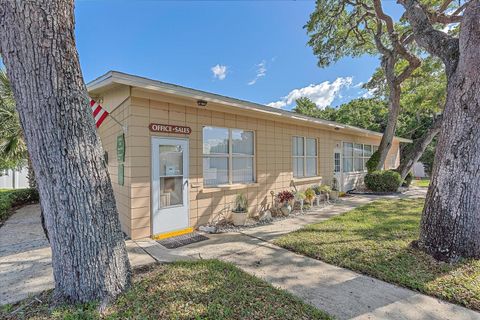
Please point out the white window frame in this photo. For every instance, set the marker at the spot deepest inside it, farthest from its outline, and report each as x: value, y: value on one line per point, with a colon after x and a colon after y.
x: 305, y: 157
x: 230, y: 155
x: 363, y: 157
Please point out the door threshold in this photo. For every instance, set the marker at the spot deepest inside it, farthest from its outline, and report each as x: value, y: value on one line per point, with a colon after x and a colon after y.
x: 170, y: 234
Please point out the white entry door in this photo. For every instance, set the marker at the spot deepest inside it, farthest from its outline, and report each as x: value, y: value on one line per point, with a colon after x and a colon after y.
x: 169, y: 184
x: 337, y: 167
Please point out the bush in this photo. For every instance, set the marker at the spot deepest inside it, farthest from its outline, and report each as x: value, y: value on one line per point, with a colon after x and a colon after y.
x: 373, y: 161
x: 408, y: 180
x: 383, y: 181
x: 13, y: 198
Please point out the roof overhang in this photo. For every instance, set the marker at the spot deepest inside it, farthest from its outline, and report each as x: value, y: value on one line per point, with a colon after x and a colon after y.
x: 112, y: 79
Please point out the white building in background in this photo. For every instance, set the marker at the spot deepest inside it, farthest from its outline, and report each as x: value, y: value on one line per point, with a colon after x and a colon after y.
x: 419, y: 170
x: 14, y: 179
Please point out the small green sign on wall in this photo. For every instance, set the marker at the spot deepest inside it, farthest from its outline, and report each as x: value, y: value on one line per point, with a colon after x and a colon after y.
x: 121, y: 174
x: 121, y: 148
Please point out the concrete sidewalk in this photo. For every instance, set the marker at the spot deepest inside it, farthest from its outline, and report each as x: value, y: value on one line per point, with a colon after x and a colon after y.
x: 26, y: 258
x: 340, y: 292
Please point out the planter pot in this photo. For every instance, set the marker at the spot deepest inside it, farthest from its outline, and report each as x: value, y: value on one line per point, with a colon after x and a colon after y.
x: 239, y: 218
x: 286, y: 210
x: 334, y: 195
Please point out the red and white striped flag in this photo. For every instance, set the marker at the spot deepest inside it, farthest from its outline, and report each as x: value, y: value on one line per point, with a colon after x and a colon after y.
x: 98, y: 112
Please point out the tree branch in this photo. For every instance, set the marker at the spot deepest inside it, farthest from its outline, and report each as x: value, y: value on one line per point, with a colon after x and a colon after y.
x: 435, y: 42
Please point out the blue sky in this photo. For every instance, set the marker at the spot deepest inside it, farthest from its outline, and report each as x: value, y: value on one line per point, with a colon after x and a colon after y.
x: 180, y: 42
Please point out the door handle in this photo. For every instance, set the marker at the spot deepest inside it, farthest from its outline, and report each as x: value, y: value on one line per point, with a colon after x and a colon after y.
x: 185, y: 183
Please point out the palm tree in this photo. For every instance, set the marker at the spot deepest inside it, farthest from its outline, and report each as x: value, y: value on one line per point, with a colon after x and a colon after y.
x: 13, y: 150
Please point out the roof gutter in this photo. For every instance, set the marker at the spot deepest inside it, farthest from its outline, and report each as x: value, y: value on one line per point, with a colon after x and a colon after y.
x: 113, y: 77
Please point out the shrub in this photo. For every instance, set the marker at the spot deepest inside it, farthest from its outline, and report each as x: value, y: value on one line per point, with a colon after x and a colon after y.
x: 13, y: 198
x: 383, y: 181
x: 373, y: 161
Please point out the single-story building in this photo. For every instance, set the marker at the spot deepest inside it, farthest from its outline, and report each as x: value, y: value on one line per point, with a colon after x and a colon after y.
x: 182, y: 155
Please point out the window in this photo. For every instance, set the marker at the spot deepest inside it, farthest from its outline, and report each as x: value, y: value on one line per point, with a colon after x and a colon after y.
x: 336, y: 161
x: 356, y: 155
x: 228, y: 156
x: 304, y: 157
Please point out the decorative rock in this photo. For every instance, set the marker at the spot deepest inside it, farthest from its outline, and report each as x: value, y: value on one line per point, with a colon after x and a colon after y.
x: 208, y: 229
x: 267, y: 216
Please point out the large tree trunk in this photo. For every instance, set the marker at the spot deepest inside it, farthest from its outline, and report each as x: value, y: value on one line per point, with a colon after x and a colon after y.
x: 88, y: 251
x: 389, y: 133
x: 411, y: 156
x: 450, y: 225
x: 388, y: 64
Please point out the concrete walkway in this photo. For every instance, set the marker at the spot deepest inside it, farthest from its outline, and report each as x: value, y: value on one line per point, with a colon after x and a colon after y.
x: 25, y: 267
x: 26, y: 258
x: 340, y: 292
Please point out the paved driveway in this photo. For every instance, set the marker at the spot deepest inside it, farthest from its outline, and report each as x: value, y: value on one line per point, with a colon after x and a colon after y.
x: 26, y: 258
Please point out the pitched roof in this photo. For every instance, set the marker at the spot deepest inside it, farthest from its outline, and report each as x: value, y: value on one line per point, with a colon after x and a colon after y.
x: 112, y: 78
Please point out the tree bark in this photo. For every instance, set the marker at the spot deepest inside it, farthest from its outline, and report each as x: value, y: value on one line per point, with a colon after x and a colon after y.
x: 88, y: 250
x: 393, y: 112
x: 450, y: 226
x: 419, y: 146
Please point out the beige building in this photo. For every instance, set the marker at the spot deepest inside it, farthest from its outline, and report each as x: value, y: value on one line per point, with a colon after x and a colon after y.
x: 188, y: 153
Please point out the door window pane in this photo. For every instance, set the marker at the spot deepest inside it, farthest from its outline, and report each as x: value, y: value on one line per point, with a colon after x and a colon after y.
x: 242, y: 169
x: 242, y: 142
x: 171, y: 191
x: 311, y: 169
x: 171, y: 160
x: 215, y: 171
x: 215, y: 140
x: 336, y: 162
x: 311, y: 147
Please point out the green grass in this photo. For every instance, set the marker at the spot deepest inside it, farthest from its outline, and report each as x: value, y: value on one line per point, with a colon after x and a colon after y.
x: 375, y: 240
x: 424, y: 183
x: 207, y: 289
x: 10, y: 198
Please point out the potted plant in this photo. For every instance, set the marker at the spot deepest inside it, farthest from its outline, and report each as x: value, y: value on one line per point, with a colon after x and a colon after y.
x: 300, y: 197
x: 309, y: 195
x: 334, y: 190
x: 318, y: 193
x: 239, y: 212
x: 284, y: 199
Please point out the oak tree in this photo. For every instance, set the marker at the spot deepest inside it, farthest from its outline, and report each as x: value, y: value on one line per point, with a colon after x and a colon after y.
x: 37, y: 44
x: 449, y: 226
x: 339, y: 28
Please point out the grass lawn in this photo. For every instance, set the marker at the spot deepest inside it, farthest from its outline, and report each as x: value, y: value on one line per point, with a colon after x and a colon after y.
x: 374, y: 240
x: 424, y: 183
x: 207, y: 289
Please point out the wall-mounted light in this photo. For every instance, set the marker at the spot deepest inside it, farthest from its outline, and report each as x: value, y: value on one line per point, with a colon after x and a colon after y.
x: 202, y: 103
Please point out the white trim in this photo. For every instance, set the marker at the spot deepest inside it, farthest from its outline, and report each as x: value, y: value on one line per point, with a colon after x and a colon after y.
x: 170, y: 211
x: 230, y: 157
x: 115, y: 77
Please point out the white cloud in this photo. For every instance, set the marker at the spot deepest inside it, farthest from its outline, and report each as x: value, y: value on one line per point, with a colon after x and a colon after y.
x: 321, y: 94
x: 219, y: 71
x: 261, y: 72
